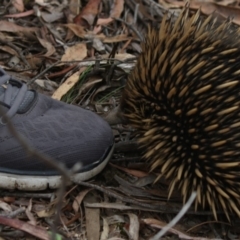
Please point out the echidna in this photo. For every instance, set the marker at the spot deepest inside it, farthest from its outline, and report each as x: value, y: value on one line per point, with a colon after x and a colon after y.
x: 183, y: 98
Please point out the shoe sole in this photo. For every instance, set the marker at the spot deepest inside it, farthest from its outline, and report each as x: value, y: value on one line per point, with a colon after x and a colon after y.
x: 38, y: 183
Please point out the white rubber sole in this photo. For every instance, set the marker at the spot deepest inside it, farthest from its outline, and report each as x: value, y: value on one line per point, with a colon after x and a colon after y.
x: 38, y: 183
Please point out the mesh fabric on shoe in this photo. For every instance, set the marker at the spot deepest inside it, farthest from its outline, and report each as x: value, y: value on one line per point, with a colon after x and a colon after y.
x: 67, y: 133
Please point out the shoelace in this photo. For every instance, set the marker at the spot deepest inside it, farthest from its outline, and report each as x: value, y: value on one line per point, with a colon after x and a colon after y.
x: 9, y: 90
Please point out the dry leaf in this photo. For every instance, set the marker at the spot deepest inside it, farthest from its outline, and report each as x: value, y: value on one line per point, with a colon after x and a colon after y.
x: 75, y: 53
x: 74, y: 6
x: 50, y: 48
x: 79, y: 198
x: 19, y: 5
x: 6, y: 26
x: 88, y: 14
x: 92, y: 220
x: 76, y: 29
x: 30, y: 215
x: 116, y: 12
x: 117, y: 38
x: 136, y: 173
x: 105, y: 231
x: 52, y: 16
x: 8, y: 50
x: 4, y: 206
x: 46, y: 212
x: 38, y: 232
x: 211, y: 7
x: 134, y: 226
x: 67, y: 85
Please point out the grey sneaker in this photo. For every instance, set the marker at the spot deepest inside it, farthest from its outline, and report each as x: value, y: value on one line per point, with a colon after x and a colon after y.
x: 67, y: 133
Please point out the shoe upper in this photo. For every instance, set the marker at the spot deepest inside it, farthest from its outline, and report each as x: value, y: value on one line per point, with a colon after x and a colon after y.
x: 67, y: 133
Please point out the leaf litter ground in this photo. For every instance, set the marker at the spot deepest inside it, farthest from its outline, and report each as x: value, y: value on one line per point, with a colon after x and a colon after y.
x: 81, y: 52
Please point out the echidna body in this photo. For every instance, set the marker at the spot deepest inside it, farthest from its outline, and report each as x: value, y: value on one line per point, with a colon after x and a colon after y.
x: 183, y: 97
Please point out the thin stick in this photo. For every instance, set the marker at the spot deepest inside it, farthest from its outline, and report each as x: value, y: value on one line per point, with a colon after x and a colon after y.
x: 177, y: 218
